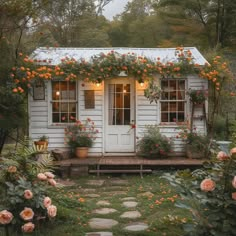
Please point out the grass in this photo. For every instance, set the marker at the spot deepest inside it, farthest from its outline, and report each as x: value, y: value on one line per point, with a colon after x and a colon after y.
x: 158, y: 209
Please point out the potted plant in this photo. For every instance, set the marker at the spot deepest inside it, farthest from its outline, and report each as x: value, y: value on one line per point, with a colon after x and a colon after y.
x: 197, y: 145
x: 153, y: 144
x: 80, y: 137
x: 42, y: 143
x: 197, y: 96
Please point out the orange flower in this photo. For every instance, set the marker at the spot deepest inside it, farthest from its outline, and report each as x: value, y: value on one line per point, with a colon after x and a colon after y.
x: 11, y: 169
x: 27, y: 214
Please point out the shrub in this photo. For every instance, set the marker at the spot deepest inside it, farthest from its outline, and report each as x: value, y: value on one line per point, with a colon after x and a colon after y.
x: 209, y: 194
x: 153, y: 144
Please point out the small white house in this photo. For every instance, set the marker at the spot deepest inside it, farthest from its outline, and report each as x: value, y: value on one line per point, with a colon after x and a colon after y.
x: 113, y: 104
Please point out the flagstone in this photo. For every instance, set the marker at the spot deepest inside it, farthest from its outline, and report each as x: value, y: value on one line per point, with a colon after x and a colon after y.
x: 104, y: 211
x: 138, y: 226
x: 101, y: 223
x: 119, y: 182
x: 131, y: 214
x: 99, y: 234
x: 92, y: 195
x: 103, y: 203
x: 96, y: 182
x: 130, y: 204
x: 128, y: 198
x: 146, y: 194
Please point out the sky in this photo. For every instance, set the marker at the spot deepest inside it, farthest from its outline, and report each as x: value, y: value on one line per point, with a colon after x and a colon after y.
x: 113, y: 8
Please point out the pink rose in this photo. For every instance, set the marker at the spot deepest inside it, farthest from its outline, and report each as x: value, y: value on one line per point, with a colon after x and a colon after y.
x: 12, y: 169
x: 52, y: 211
x: 207, y: 185
x: 28, y: 194
x: 222, y: 156
x: 47, y: 202
x: 27, y: 214
x: 233, y: 151
x: 52, y: 182
x: 234, y: 182
x: 50, y: 175
x: 28, y: 227
x: 234, y: 195
x: 41, y: 176
x: 5, y: 217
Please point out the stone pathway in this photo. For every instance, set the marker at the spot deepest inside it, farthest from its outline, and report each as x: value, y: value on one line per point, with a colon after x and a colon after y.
x: 126, y: 208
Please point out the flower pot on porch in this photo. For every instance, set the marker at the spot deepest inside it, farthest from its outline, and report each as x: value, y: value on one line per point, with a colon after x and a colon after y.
x: 81, y: 152
x: 41, y: 145
x: 194, y: 154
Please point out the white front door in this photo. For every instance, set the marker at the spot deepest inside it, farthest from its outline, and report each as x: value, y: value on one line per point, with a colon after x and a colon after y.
x: 119, y: 111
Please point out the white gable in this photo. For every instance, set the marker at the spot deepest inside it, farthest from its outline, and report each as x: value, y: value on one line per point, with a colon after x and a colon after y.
x: 165, y: 54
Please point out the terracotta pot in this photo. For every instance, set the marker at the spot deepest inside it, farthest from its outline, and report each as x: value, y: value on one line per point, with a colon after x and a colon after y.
x: 194, y: 154
x: 42, y: 145
x: 81, y: 152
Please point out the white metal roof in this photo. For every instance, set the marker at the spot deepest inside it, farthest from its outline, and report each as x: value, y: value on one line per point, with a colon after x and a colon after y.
x: 165, y: 54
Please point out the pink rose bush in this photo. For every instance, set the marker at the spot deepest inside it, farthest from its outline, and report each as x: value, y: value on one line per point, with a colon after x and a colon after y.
x: 209, y: 193
x: 25, y: 200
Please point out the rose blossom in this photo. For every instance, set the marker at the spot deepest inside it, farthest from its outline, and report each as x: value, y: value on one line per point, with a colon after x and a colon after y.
x: 52, y: 182
x: 234, y: 182
x: 27, y: 214
x: 207, y: 185
x: 12, y: 169
x: 50, y: 175
x: 47, y: 202
x: 28, y: 194
x: 42, y: 176
x: 222, y: 156
x: 234, y: 195
x: 28, y: 227
x: 233, y: 150
x: 5, y: 217
x: 52, y: 211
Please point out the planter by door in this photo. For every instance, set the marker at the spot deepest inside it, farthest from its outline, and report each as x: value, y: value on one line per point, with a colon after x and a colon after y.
x: 41, y: 145
x: 190, y: 153
x: 81, y: 152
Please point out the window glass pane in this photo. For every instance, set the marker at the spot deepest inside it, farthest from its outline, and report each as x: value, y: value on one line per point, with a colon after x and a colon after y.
x: 64, y: 107
x: 172, y: 84
x: 173, y: 95
x: 55, y: 117
x: 55, y: 106
x: 173, y: 117
x: 127, y: 88
x: 72, y: 94
x: 164, y: 106
x: 173, y: 106
x: 164, y: 95
x: 72, y: 117
x: 119, y: 88
x: 164, y: 117
x: 72, y: 107
x: 112, y: 117
x: 119, y: 117
x: 126, y: 116
x: 181, y: 116
x: 127, y: 100
x: 180, y: 106
x: 119, y: 100
x: 55, y: 91
x: 64, y: 117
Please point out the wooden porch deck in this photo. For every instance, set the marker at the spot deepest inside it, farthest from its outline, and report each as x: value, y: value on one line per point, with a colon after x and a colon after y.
x: 122, y: 164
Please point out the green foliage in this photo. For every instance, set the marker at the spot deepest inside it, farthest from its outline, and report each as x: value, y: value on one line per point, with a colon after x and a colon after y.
x: 153, y: 144
x: 197, y: 96
x: 213, y: 206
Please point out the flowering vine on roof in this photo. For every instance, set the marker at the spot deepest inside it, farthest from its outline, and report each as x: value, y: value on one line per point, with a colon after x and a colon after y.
x: 110, y: 65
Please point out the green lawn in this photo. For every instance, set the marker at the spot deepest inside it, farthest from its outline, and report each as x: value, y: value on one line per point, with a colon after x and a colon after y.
x: 157, y: 210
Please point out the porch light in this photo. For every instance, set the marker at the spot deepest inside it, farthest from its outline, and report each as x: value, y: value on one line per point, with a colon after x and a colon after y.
x: 57, y: 93
x: 98, y: 84
x: 142, y: 84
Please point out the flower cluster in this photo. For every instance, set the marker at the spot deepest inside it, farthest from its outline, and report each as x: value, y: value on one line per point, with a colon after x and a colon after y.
x: 153, y: 144
x: 24, y: 198
x: 197, y: 96
x: 81, y: 134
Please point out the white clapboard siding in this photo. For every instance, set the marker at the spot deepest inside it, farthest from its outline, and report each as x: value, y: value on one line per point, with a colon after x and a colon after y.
x: 39, y: 112
x: 197, y: 83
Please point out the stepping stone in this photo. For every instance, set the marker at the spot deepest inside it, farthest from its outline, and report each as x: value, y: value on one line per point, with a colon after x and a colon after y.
x: 128, y: 198
x: 92, y: 195
x: 131, y: 214
x: 129, y: 204
x: 104, y: 211
x: 89, y: 190
x: 146, y: 194
x: 138, y: 226
x: 114, y: 193
x: 119, y: 182
x: 96, y: 182
x: 65, y: 183
x: 99, y: 234
x: 100, y: 223
x: 103, y: 203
